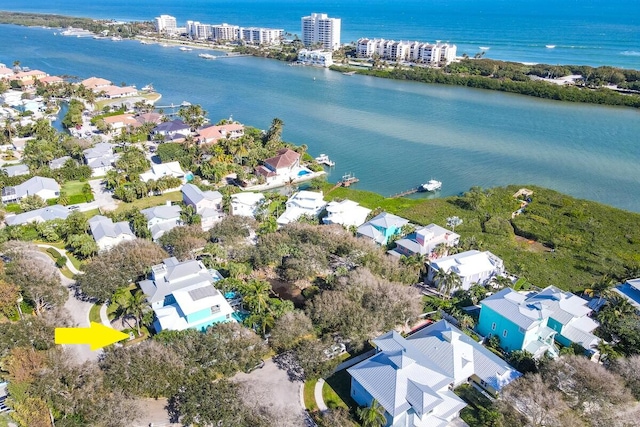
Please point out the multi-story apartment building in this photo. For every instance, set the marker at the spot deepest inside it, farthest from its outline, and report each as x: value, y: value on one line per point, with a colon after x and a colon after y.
x: 255, y: 35
x: 319, y: 28
x: 199, y: 31
x: 225, y: 32
x: 428, y: 53
x: 166, y: 23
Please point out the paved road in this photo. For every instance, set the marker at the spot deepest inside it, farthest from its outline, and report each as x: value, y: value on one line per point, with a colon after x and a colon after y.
x: 69, y: 264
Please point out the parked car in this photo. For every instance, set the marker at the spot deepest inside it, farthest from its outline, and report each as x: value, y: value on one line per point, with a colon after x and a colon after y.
x: 335, y: 350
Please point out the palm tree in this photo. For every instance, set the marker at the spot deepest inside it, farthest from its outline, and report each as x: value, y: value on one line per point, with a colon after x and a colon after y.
x: 372, y: 416
x: 439, y: 279
x: 274, y: 134
x: 256, y: 295
x: 440, y: 250
x: 135, y: 305
x: 453, y: 282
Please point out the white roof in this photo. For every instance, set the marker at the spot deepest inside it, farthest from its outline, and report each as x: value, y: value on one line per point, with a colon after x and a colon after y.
x: 346, y: 213
x: 35, y: 185
x: 163, y: 169
x: 247, y: 198
x: 302, y: 203
x: 466, y: 264
x: 102, y: 227
x: 162, y: 212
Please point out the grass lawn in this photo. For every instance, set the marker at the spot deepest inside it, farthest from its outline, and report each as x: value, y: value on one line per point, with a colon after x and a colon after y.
x: 73, y: 190
x: 94, y: 313
x: 309, y: 398
x: 92, y: 213
x: 337, y: 391
x: 148, y: 202
x: 369, y: 199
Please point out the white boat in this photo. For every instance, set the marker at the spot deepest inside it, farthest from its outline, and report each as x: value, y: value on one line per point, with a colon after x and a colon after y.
x: 116, y: 38
x: 165, y: 45
x: 207, y: 56
x: 550, y: 46
x: 432, y: 185
x: 324, y: 160
x: 186, y: 49
x: 484, y: 48
x: 147, y: 88
x: 349, y: 73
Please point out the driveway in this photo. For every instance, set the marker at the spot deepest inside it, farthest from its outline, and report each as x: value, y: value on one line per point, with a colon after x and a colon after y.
x: 103, y: 198
x: 272, y: 387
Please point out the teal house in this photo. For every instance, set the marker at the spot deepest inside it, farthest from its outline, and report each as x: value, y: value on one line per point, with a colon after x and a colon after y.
x: 533, y: 321
x: 381, y: 227
x: 182, y: 296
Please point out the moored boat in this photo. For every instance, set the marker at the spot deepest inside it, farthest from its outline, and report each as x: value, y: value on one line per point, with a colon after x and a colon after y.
x: 324, y: 160
x: 207, y: 56
x: 432, y: 185
x: 185, y: 49
x: 550, y: 46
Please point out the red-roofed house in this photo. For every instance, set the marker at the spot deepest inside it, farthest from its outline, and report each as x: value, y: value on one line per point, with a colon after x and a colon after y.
x: 25, y: 76
x: 121, y: 121
x: 5, y: 73
x: 285, y: 164
x: 51, y: 80
x: 95, y: 83
x: 118, y: 92
x: 211, y: 134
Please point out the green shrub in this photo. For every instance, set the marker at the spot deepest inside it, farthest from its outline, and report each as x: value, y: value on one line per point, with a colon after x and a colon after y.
x: 61, y: 262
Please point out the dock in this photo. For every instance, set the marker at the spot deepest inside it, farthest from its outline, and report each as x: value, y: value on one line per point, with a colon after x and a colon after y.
x: 346, y: 180
x: 404, y: 193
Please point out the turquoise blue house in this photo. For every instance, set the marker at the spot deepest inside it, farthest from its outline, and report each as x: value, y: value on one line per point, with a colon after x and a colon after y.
x: 381, y: 227
x: 533, y: 321
x: 182, y: 296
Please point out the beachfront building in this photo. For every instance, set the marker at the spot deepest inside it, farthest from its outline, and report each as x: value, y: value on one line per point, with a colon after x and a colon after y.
x: 472, y: 267
x: 212, y: 133
x: 381, y: 227
x: 45, y: 188
x: 261, y: 36
x: 108, y: 234
x: 225, y: 32
x: 302, y: 203
x: 182, y: 296
x: 114, y: 92
x: 531, y: 321
x: 346, y: 213
x: 37, y: 216
x: 162, y: 170
x: 199, y: 31
x: 161, y: 219
x: 420, y: 52
x: 166, y: 24
x: 424, y: 240
x: 172, y: 131
x: 317, y: 58
x: 318, y: 28
x: 207, y: 204
x: 282, y: 167
x: 100, y: 158
x: 246, y: 203
x: 95, y: 84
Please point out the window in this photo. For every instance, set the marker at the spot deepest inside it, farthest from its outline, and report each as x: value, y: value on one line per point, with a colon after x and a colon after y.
x: 493, y: 326
x: 215, y: 309
x: 504, y: 333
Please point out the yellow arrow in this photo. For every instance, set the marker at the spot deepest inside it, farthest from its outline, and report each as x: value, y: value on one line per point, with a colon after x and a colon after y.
x: 97, y: 336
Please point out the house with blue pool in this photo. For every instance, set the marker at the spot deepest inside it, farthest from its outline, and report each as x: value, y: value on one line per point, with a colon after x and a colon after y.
x: 533, y: 321
x: 183, y: 296
x: 381, y: 227
x: 413, y: 378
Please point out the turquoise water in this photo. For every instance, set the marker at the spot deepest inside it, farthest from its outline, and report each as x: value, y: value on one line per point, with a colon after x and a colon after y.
x: 605, y: 32
x: 392, y: 135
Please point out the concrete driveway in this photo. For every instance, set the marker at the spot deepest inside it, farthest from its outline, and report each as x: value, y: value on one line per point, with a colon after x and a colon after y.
x: 272, y: 388
x: 103, y: 197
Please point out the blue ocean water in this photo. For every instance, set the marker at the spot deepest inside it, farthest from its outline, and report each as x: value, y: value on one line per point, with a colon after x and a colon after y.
x: 393, y: 135
x: 596, y: 32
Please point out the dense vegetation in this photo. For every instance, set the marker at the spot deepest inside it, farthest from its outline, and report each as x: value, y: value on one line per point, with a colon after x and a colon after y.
x: 39, y: 20
x: 516, y: 78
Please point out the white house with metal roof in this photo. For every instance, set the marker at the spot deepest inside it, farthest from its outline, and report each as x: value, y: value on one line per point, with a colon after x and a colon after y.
x: 532, y: 321
x: 470, y: 266
x: 347, y: 213
x: 108, y: 234
x: 412, y: 389
x: 208, y: 204
x: 45, y: 188
x: 161, y: 219
x: 424, y: 240
x: 246, y: 203
x: 16, y: 170
x: 100, y: 158
x: 183, y: 296
x: 161, y: 170
x: 38, y: 215
x: 302, y: 203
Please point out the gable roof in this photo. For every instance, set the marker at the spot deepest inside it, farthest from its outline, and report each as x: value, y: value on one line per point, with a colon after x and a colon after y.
x: 102, y: 227
x: 172, y: 126
x: 468, y: 263
x: 196, y: 195
x: 368, y: 230
x: 285, y: 158
x: 101, y: 149
x: 162, y: 212
x: 94, y: 82
x: 35, y: 185
x: 151, y: 117
x: 39, y: 215
x: 126, y: 119
x: 16, y: 170
x: 386, y: 220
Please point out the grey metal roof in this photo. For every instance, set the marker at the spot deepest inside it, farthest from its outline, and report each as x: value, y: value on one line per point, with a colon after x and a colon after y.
x: 386, y: 220
x: 412, y: 246
x: 162, y: 212
x: 16, y: 170
x: 511, y: 305
x: 39, y: 215
x: 172, y: 126
x: 564, y: 306
x: 35, y: 185
x: 58, y: 163
x: 99, y: 150
x: 435, y: 341
x: 101, y: 227
x: 368, y: 230
x: 196, y: 195
x: 200, y: 293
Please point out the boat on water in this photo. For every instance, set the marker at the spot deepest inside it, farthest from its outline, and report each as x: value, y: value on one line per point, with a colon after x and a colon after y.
x: 186, y: 49
x: 323, y: 159
x: 550, y: 46
x: 348, y: 179
x: 207, y: 56
x: 165, y: 45
x: 349, y: 73
x: 432, y: 185
x: 116, y: 38
x: 484, y: 48
x: 147, y: 88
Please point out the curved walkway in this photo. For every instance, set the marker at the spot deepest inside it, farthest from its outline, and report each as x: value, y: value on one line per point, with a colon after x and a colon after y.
x: 317, y: 393
x: 104, y: 319
x: 62, y: 252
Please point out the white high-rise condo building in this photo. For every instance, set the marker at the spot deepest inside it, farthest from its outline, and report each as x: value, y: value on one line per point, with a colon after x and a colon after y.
x: 166, y: 23
x: 225, y: 32
x: 426, y: 53
x: 199, y: 31
x: 319, y: 28
x: 255, y: 35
